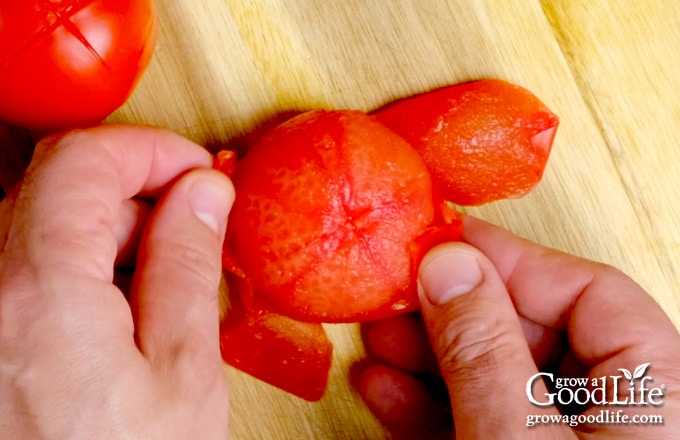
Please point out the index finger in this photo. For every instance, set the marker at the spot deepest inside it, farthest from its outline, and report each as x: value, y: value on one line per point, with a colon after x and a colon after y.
x: 71, y: 196
x: 603, y: 310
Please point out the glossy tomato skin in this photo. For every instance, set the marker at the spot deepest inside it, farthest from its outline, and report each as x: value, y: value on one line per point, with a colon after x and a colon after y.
x: 291, y: 355
x: 327, y: 207
x: 482, y: 141
x: 70, y: 63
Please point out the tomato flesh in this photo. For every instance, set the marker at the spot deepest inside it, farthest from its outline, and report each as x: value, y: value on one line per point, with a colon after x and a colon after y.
x: 327, y: 205
x: 66, y: 63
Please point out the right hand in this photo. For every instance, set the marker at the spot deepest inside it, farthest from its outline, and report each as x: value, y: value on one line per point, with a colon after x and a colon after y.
x: 499, y: 309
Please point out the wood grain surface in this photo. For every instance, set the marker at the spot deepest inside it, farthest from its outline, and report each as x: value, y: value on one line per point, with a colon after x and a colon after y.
x: 609, y: 69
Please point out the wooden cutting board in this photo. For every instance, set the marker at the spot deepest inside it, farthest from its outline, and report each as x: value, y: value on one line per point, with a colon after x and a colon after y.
x: 609, y: 69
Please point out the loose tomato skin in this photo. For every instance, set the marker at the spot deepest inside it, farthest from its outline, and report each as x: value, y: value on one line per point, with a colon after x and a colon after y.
x: 67, y: 63
x: 291, y: 355
x: 226, y: 161
x: 482, y: 141
x: 327, y: 206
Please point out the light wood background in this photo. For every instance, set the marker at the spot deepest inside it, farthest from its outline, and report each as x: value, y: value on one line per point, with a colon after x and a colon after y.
x: 609, y: 69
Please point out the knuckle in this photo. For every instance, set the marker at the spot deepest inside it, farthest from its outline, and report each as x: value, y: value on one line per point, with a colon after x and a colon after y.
x: 199, y: 369
x: 75, y: 141
x: 192, y: 262
x: 475, y: 345
x: 195, y: 366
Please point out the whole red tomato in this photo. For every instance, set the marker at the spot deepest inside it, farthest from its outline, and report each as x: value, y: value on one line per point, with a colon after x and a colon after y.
x: 329, y: 205
x: 65, y: 63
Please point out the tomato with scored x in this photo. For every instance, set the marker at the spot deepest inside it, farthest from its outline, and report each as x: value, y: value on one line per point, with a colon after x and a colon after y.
x: 68, y: 63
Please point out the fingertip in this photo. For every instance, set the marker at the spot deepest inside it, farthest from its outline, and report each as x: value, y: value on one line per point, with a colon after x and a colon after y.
x: 211, y: 195
x: 356, y: 372
x: 176, y: 290
x: 448, y: 271
x: 387, y: 392
x: 401, y: 402
x: 401, y: 342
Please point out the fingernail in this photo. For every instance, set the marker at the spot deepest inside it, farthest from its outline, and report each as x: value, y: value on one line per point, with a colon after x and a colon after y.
x: 211, y: 199
x: 447, y: 275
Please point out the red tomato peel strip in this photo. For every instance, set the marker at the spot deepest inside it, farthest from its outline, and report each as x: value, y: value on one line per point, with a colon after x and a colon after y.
x: 225, y: 161
x: 482, y: 140
x: 290, y: 355
x: 446, y: 227
x: 433, y: 236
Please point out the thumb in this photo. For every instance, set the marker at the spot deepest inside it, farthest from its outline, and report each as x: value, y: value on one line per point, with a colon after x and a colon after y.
x: 175, y: 291
x: 478, y: 339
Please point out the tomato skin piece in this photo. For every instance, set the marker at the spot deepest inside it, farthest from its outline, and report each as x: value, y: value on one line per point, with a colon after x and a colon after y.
x: 225, y: 161
x: 482, y: 141
x: 71, y: 63
x: 327, y: 205
x: 291, y: 355
x: 433, y: 236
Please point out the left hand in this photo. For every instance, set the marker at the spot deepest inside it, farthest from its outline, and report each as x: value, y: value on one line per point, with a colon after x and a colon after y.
x: 77, y: 358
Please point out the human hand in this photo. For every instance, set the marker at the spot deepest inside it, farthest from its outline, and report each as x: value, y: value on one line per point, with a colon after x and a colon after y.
x: 77, y: 360
x: 497, y: 314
